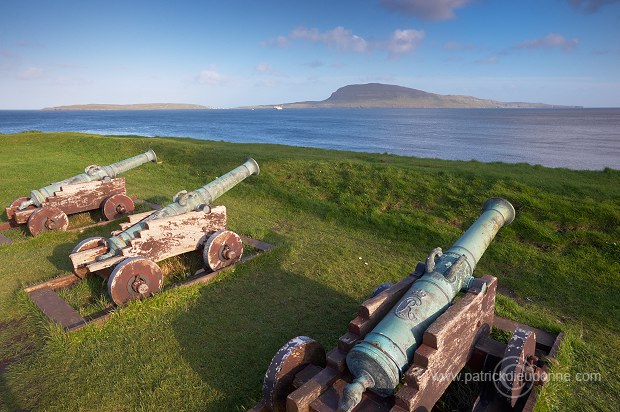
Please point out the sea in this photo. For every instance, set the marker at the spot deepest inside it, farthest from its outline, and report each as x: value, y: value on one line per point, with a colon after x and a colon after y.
x: 568, y: 138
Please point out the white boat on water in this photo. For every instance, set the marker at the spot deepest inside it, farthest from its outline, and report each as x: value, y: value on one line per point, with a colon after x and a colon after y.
x: 277, y: 107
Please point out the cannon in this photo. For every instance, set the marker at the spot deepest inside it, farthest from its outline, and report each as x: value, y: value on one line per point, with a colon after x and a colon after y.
x: 412, y: 338
x: 128, y: 259
x: 98, y: 187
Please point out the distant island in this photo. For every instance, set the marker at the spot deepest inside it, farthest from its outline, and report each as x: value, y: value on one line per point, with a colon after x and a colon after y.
x: 354, y: 96
x: 377, y: 95
x: 143, y: 106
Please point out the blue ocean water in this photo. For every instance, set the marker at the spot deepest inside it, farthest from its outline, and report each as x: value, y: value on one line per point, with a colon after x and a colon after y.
x: 572, y: 138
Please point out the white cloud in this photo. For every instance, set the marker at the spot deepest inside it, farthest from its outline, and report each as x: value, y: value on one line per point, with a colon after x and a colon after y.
x: 210, y: 76
x: 590, y: 6
x: 30, y: 73
x: 454, y: 45
x: 280, y: 41
x: 339, y: 37
x: 550, y: 41
x: 263, y: 68
x: 400, y: 42
x: 426, y: 9
x: 488, y: 60
x: 404, y: 41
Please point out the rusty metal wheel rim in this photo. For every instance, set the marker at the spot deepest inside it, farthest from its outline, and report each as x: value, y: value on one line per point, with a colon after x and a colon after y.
x: 223, y: 248
x: 134, y: 278
x: 116, y: 206
x: 46, y: 219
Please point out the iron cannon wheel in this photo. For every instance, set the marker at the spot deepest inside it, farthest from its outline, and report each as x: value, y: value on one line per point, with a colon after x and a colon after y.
x: 88, y: 243
x: 134, y: 278
x: 289, y: 360
x: 46, y: 219
x: 116, y: 206
x: 223, y: 248
x: 513, y: 383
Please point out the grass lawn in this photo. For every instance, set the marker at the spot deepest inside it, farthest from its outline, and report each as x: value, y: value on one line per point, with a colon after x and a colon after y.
x: 343, y: 223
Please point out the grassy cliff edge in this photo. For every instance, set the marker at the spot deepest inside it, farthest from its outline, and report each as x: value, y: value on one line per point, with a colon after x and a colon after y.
x: 342, y: 222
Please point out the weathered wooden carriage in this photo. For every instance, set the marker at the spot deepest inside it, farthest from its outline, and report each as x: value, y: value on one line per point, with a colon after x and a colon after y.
x: 98, y: 187
x: 129, y: 258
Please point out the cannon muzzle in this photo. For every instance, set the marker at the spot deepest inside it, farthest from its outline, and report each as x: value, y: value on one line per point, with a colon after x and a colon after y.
x: 184, y: 202
x: 91, y: 173
x: 379, y: 361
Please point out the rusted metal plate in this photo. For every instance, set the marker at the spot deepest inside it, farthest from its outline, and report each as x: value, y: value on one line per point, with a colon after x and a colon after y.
x: 544, y: 340
x: 512, y: 384
x: 55, y: 308
x: 4, y: 240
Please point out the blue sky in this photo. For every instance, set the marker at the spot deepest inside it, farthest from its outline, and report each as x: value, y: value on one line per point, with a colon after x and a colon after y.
x: 234, y: 53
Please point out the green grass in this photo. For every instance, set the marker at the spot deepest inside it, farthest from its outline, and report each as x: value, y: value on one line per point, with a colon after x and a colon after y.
x: 343, y: 223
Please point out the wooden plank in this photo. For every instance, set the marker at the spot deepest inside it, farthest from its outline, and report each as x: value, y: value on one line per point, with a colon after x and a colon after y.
x: 384, y: 301
x: 300, y: 399
x: 87, y: 256
x: 133, y: 219
x: 56, y: 283
x: 104, y: 264
x: 21, y: 216
x: 163, y: 238
x: 82, y: 197
x: 305, y: 375
x: 336, y: 360
x: 7, y: 225
x: 74, y: 188
x: 346, y: 341
x: 55, y: 308
x: 258, y: 244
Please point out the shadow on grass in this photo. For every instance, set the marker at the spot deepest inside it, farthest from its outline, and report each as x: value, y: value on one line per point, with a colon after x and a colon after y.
x: 231, y: 333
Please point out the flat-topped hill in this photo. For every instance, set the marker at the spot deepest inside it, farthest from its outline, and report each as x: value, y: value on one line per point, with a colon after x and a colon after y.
x: 378, y: 95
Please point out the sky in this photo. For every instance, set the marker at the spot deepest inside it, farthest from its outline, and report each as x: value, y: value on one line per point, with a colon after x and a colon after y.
x: 235, y: 53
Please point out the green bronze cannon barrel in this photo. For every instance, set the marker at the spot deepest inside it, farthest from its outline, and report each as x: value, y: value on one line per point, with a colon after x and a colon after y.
x: 379, y: 361
x: 91, y: 173
x: 184, y: 202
